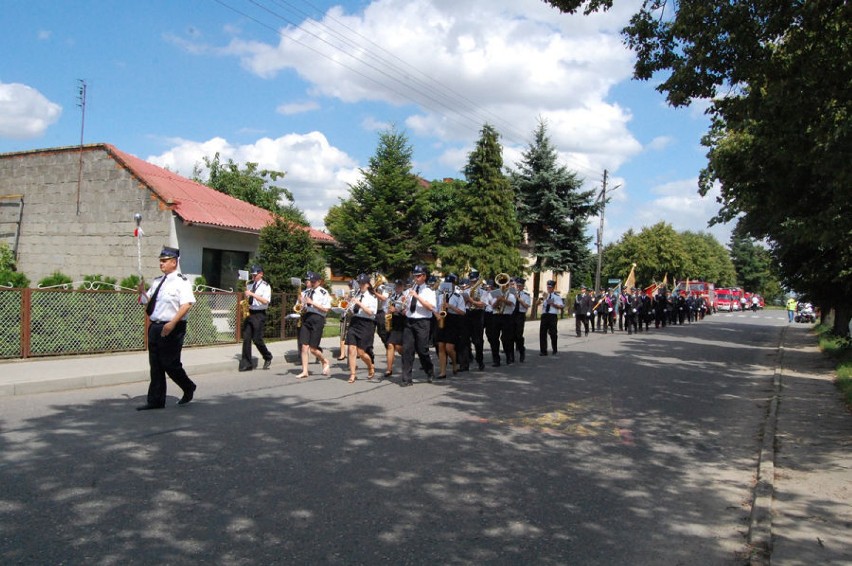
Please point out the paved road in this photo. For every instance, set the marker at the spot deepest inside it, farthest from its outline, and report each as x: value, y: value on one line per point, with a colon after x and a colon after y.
x: 621, y: 450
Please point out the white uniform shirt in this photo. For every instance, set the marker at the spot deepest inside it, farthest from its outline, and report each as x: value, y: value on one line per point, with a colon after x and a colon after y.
x: 321, y: 298
x: 525, y: 297
x: 457, y: 301
x: 176, y: 291
x: 551, y: 303
x: 488, y: 299
x: 369, y: 301
x: 263, y: 290
x: 509, y: 306
x: 428, y: 295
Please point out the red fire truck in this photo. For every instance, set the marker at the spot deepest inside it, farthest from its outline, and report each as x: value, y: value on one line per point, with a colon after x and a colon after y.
x: 702, y: 289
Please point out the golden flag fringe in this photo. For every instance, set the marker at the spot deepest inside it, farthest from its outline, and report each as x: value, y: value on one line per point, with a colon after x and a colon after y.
x: 631, y: 279
x: 666, y: 280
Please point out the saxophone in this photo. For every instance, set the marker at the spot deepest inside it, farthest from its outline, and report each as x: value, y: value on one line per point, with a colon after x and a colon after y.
x: 442, y: 314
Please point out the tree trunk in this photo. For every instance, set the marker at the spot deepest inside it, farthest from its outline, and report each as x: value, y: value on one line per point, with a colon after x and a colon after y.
x: 842, y: 316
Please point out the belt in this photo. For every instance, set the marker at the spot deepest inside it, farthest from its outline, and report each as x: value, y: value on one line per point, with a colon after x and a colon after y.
x: 164, y: 321
x: 257, y: 310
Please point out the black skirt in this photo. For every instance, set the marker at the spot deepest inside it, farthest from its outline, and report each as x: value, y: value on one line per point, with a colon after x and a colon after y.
x: 361, y: 332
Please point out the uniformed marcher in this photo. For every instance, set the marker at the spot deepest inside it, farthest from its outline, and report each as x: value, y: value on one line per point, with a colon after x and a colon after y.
x: 452, y: 304
x: 167, y: 303
x: 475, y: 315
x: 362, y: 329
x: 583, y: 310
x: 416, y: 335
x: 551, y: 305
x: 504, y: 307
x: 523, y: 304
x: 258, y: 294
x: 317, y: 303
x: 633, y: 311
x: 492, y: 320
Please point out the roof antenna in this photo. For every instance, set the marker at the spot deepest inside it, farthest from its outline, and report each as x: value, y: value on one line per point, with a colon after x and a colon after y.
x: 81, y: 98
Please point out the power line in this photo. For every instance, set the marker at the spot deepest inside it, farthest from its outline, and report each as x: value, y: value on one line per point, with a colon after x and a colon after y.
x: 443, y: 101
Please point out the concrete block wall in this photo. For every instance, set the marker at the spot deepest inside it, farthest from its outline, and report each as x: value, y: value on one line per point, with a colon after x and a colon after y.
x: 97, y: 238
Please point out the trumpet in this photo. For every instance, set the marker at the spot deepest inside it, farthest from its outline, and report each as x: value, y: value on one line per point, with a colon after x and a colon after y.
x: 502, y: 280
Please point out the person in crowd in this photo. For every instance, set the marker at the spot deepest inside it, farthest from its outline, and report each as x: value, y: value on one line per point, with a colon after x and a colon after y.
x: 167, y: 303
x: 258, y: 295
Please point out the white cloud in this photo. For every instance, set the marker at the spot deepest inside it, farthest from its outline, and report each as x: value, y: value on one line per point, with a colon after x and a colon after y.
x: 43, y: 34
x: 25, y: 112
x: 317, y: 173
x: 499, y: 61
x: 297, y: 107
x: 677, y: 203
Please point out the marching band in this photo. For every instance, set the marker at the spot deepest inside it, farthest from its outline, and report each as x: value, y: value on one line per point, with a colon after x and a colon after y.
x: 457, y: 316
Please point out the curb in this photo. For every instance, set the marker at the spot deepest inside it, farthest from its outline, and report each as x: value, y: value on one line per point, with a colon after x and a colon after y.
x: 760, y: 524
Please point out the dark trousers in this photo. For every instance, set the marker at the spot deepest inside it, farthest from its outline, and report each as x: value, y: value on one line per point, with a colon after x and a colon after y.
x: 415, y: 340
x: 164, y: 358
x: 463, y: 344
x: 582, y: 319
x: 253, y: 332
x: 476, y: 325
x: 630, y: 322
x: 518, y: 321
x: 507, y: 336
x: 492, y: 333
x: 547, y: 328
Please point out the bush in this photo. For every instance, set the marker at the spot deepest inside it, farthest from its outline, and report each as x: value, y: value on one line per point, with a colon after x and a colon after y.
x: 13, y: 278
x: 54, y: 279
x: 131, y: 282
x: 7, y: 258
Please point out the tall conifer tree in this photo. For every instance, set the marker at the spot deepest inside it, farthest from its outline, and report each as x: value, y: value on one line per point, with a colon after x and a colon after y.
x: 552, y: 209
x: 484, y: 228
x: 380, y: 226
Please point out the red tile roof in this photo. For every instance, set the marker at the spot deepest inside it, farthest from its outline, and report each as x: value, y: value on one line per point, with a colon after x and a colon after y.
x: 199, y: 204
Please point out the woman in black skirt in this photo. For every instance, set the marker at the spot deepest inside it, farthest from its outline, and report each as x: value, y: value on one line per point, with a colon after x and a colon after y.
x: 452, y: 302
x: 362, y: 327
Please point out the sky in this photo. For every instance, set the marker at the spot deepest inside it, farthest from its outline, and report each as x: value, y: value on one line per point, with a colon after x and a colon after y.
x: 306, y: 87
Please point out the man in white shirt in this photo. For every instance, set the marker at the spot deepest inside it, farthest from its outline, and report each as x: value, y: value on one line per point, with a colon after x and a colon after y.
x: 258, y: 294
x: 415, y: 337
x: 167, y: 303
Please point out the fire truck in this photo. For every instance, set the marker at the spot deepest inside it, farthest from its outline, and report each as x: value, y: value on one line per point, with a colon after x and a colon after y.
x: 728, y: 299
x: 700, y: 288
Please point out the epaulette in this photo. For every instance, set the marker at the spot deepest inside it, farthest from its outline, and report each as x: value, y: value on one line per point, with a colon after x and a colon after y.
x: 322, y: 290
x: 556, y: 293
x: 182, y: 276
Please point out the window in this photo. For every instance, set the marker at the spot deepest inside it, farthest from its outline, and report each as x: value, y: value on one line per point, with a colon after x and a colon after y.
x: 219, y: 267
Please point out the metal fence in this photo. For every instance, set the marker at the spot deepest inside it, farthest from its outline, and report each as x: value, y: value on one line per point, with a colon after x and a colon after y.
x: 52, y: 322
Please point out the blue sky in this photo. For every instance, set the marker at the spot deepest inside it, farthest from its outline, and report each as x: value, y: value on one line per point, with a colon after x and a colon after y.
x: 306, y: 86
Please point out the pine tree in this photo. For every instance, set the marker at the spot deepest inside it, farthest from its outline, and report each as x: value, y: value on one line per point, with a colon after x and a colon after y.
x: 379, y: 228
x: 286, y: 250
x: 552, y: 209
x: 484, y: 228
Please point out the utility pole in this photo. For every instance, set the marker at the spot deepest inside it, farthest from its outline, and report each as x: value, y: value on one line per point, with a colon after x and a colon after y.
x: 602, y: 198
x: 81, y: 97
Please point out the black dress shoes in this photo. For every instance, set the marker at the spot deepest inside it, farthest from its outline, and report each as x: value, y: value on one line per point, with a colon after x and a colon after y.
x: 187, y: 396
x: 148, y: 407
x: 244, y: 367
x: 267, y: 363
x: 405, y: 383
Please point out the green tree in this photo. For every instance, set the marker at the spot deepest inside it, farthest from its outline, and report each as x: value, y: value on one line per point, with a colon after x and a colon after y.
x: 778, y: 74
x: 250, y: 184
x: 484, y: 229
x: 753, y: 264
x: 709, y: 260
x: 656, y: 250
x: 286, y: 250
x: 437, y: 203
x: 380, y: 227
x: 552, y: 209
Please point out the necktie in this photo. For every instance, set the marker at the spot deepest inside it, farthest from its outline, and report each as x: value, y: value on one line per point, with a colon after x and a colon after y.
x: 517, y: 304
x: 253, y: 289
x: 149, y: 308
x: 547, y: 305
x: 413, y: 306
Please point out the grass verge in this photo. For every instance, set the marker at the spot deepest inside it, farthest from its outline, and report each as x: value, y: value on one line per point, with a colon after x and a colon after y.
x: 841, y: 350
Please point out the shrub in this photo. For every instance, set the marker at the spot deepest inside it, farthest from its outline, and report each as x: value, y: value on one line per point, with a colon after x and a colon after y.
x: 13, y: 278
x: 54, y: 279
x: 97, y: 283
